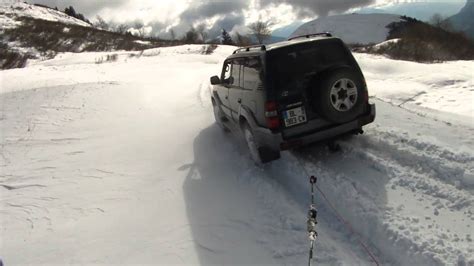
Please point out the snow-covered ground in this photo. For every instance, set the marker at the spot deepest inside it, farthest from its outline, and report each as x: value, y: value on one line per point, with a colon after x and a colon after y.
x: 119, y: 162
x: 352, y: 28
x: 12, y: 10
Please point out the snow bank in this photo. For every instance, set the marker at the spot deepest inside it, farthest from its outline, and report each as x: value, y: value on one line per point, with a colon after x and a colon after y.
x: 385, y: 44
x: 444, y: 90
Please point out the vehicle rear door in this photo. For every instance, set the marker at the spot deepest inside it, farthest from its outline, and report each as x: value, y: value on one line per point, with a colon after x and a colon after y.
x: 294, y: 69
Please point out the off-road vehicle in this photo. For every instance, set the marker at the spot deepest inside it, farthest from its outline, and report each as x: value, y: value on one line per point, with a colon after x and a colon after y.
x: 291, y: 93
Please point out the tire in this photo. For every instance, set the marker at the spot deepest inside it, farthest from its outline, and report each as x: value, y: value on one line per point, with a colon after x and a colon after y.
x: 259, y: 154
x: 339, y: 95
x: 219, y: 116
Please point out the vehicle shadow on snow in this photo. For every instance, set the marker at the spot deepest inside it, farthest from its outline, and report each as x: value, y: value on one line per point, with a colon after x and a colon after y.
x: 221, y: 212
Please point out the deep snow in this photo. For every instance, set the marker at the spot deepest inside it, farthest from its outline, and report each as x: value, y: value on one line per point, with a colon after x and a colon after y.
x: 120, y: 162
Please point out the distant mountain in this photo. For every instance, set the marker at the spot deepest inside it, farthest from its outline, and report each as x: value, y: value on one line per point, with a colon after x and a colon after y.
x: 464, y: 20
x: 421, y: 10
x: 352, y: 28
x: 271, y: 39
x: 287, y: 30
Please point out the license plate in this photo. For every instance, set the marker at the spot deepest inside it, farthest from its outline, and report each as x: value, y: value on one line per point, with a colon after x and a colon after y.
x: 294, y: 116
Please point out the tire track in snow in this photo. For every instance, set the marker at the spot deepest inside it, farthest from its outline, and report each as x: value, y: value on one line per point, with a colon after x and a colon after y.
x: 351, y: 179
x: 357, y: 191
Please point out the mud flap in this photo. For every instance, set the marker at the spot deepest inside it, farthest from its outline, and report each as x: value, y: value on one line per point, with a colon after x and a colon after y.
x: 268, y: 155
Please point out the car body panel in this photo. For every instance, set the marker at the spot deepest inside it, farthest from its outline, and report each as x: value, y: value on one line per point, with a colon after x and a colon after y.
x: 253, y: 83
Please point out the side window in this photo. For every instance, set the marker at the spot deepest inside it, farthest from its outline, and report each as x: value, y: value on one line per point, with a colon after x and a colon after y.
x: 235, y: 73
x: 252, y: 70
x: 226, y: 72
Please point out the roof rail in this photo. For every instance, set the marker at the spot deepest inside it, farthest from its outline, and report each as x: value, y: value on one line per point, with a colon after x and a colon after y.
x: 327, y: 34
x: 260, y: 47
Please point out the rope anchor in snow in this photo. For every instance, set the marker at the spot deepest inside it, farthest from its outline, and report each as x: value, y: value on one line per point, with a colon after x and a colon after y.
x: 311, y: 223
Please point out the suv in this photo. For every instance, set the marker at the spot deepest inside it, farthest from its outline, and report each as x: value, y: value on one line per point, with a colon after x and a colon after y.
x: 291, y: 93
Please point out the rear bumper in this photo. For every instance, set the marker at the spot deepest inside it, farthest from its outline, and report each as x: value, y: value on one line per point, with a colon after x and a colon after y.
x: 276, y: 141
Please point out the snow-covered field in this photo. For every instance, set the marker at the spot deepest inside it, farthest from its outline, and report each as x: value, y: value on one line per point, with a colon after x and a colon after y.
x: 121, y: 163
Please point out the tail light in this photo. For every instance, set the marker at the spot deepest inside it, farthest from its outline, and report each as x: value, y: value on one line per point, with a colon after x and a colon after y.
x: 271, y: 114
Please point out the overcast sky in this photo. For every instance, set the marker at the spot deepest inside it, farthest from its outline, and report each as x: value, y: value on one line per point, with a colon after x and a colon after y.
x: 159, y: 16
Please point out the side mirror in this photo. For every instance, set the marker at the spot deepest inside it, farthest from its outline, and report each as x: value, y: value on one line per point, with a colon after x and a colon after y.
x: 215, y: 80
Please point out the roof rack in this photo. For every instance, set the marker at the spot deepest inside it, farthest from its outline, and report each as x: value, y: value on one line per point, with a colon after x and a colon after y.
x: 248, y: 48
x: 327, y: 34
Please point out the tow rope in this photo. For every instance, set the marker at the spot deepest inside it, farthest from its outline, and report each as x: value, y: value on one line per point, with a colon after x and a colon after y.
x: 311, y: 223
x: 312, y: 215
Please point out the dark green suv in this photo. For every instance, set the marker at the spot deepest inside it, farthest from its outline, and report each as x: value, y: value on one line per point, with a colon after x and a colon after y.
x: 291, y: 93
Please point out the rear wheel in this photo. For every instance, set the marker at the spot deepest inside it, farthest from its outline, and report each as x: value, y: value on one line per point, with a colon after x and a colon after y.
x: 259, y: 154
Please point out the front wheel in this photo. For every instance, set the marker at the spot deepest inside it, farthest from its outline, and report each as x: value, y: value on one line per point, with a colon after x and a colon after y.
x: 218, y: 116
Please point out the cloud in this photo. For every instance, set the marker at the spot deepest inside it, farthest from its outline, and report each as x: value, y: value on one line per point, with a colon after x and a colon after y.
x: 226, y: 22
x: 199, y: 10
x: 215, y: 14
x: 308, y: 8
x: 181, y: 15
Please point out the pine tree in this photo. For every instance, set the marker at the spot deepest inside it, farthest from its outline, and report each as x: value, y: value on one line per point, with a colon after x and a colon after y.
x: 226, y: 39
x: 70, y: 11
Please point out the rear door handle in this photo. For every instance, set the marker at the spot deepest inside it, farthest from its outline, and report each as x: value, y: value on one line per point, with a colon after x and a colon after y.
x: 239, y: 100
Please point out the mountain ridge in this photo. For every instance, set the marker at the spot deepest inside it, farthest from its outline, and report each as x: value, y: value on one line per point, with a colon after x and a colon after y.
x: 464, y: 20
x: 351, y: 28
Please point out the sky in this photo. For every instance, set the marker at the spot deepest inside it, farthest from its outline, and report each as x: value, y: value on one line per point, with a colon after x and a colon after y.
x: 159, y: 17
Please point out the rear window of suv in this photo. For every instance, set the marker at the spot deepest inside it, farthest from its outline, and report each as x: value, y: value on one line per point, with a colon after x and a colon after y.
x: 291, y: 68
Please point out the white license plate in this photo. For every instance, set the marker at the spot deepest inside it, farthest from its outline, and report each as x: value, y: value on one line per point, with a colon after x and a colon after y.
x: 294, y: 116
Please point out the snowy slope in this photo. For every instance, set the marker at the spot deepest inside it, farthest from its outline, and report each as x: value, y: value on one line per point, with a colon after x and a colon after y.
x: 121, y: 163
x: 352, y: 28
x: 11, y: 10
x: 443, y: 91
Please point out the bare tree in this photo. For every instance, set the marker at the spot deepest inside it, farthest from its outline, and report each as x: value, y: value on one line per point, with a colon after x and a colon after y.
x: 439, y: 21
x: 261, y: 30
x: 201, y: 30
x: 101, y: 24
x: 172, y: 34
x: 121, y: 28
x: 140, y: 29
x: 242, y: 40
x: 436, y: 20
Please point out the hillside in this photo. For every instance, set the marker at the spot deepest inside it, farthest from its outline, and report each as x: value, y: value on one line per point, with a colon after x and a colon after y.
x: 414, y: 40
x: 352, y: 28
x: 13, y: 12
x: 421, y: 10
x: 36, y: 32
x: 464, y: 20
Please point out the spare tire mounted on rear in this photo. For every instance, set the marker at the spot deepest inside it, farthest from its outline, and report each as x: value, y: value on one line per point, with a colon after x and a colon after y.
x: 338, y: 95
